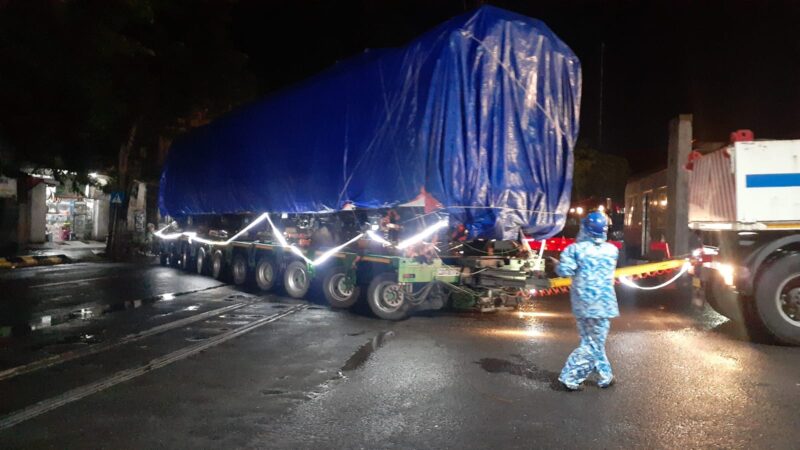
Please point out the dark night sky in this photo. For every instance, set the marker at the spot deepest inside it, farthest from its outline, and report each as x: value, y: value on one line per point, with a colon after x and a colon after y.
x: 733, y: 64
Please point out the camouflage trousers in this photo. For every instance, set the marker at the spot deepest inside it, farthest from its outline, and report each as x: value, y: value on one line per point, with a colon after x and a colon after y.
x: 590, y: 356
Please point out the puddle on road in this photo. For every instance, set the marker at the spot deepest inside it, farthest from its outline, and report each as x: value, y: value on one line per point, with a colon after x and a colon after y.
x: 68, y: 341
x: 91, y: 312
x: 202, y: 333
x: 521, y: 369
x: 365, y: 351
x: 234, y: 323
x: 240, y: 316
x: 271, y: 392
x: 358, y: 359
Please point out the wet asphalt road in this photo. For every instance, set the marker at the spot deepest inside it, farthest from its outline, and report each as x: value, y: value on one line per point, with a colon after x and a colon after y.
x: 124, y: 366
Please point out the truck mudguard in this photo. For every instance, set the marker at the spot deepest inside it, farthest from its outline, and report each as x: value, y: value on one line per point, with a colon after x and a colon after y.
x: 480, y: 114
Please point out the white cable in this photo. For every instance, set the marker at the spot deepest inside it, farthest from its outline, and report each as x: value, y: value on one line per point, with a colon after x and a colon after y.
x: 247, y: 228
x: 334, y: 250
x: 416, y: 239
x: 193, y: 235
x: 627, y: 282
x: 377, y: 238
x: 278, y: 235
x: 282, y: 241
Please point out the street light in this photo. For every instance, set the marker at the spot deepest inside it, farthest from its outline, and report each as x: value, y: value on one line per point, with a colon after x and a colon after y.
x: 579, y: 210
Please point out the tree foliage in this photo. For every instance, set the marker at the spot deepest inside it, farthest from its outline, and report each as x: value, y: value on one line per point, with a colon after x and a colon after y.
x: 598, y: 174
x: 81, y: 78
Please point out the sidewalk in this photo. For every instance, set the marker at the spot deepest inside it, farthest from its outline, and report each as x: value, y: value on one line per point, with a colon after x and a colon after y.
x: 74, y: 250
x: 65, y: 247
x: 50, y: 253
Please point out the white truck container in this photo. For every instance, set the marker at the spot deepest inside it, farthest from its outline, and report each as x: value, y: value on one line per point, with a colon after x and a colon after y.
x: 744, y: 202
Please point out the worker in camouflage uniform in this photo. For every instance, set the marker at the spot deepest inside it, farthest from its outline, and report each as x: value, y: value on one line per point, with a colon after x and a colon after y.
x: 590, y: 261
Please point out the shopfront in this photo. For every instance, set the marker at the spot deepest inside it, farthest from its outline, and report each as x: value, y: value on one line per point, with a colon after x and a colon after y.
x: 76, y: 216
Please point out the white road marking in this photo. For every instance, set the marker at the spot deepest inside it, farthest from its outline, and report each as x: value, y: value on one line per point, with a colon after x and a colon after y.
x: 97, y: 348
x: 59, y: 283
x: 70, y: 396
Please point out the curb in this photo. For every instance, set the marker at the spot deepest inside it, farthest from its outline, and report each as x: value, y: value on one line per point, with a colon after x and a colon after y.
x: 15, y: 262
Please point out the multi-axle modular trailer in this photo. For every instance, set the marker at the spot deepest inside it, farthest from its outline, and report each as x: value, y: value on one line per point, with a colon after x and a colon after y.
x: 398, y: 276
x: 414, y: 173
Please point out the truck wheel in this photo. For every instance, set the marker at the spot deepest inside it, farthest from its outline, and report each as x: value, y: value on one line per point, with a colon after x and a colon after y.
x: 296, y: 279
x: 265, y: 273
x: 200, y: 262
x: 217, y: 265
x: 387, y: 298
x: 778, y: 299
x: 239, y: 269
x: 336, y: 291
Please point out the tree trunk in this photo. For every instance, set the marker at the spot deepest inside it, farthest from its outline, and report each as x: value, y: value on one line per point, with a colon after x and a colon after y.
x: 118, y: 246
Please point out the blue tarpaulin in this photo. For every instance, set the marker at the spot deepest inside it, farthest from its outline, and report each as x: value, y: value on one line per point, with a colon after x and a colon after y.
x: 480, y: 112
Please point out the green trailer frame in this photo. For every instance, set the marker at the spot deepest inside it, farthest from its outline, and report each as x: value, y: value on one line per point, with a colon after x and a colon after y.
x: 484, y: 283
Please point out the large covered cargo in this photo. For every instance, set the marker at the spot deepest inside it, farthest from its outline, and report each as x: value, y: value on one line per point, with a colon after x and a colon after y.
x: 481, y: 114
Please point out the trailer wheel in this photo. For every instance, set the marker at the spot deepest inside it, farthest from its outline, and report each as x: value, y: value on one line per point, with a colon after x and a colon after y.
x: 265, y: 273
x: 296, y: 279
x: 239, y: 269
x: 175, y: 258
x: 336, y: 291
x: 200, y: 261
x: 184, y: 262
x: 778, y: 299
x: 387, y: 298
x: 217, y: 264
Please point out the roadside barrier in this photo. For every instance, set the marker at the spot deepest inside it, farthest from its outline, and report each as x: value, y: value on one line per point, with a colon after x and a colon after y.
x: 15, y: 262
x: 622, y: 275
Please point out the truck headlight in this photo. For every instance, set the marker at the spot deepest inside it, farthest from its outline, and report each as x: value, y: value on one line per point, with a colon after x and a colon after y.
x: 727, y: 272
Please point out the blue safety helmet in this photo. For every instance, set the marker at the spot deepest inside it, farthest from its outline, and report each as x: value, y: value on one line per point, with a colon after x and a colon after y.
x: 595, y: 224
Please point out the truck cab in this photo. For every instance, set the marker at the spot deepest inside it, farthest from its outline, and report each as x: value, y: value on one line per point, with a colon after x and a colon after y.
x: 744, y: 203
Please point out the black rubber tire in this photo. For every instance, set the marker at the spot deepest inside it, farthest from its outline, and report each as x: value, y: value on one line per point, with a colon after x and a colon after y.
x: 217, y: 265
x: 266, y: 273
x: 185, y: 261
x: 296, y: 279
x: 377, y: 297
x: 200, y: 261
x: 335, y: 293
x: 174, y: 257
x: 239, y: 272
x: 781, y: 275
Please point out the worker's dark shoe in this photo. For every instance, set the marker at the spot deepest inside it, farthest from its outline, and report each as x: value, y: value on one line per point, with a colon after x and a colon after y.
x: 606, y: 384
